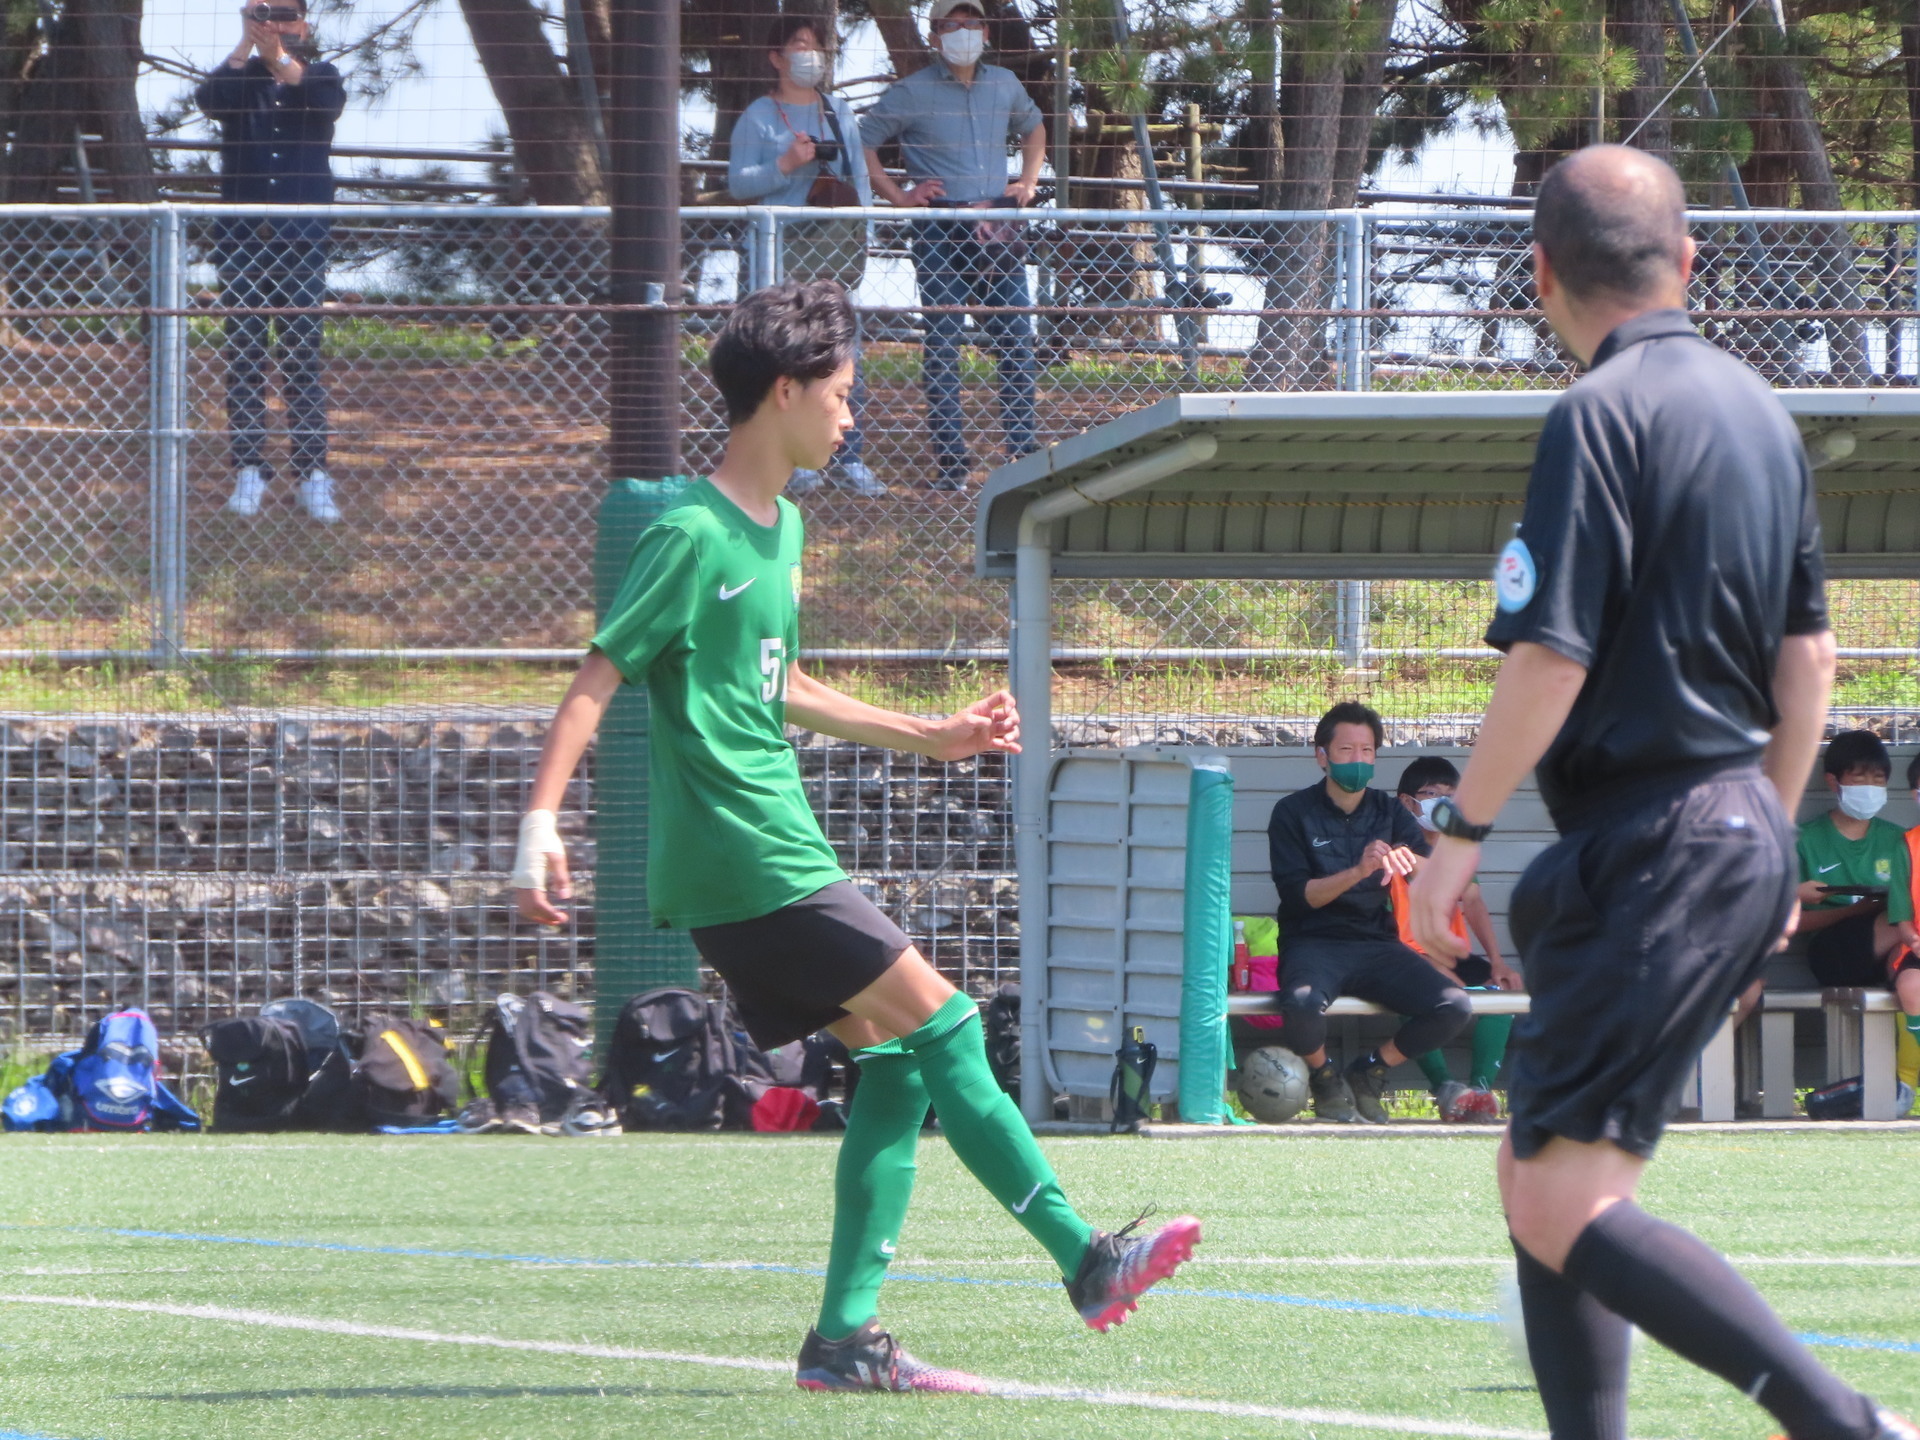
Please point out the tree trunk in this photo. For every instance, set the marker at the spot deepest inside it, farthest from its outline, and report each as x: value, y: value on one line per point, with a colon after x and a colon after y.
x: 1910, y: 62
x: 900, y: 30
x: 1642, y: 29
x: 1290, y: 352
x: 1360, y: 99
x: 1014, y: 47
x: 553, y: 145
x: 82, y: 83
x: 734, y: 37
x: 1836, y: 285
x: 1262, y: 138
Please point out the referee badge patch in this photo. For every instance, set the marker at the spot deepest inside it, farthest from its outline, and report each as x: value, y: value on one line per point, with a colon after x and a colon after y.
x: 1514, y: 576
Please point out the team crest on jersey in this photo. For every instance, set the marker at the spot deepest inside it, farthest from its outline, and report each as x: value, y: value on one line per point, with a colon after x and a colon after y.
x: 1883, y: 870
x: 1514, y: 576
x: 793, y: 574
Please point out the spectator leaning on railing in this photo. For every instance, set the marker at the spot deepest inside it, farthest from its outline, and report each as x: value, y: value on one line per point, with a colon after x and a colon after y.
x: 953, y: 119
x: 797, y: 145
x: 276, y: 103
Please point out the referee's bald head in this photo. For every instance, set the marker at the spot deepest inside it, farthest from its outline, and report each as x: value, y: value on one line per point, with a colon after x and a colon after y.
x: 1613, y: 223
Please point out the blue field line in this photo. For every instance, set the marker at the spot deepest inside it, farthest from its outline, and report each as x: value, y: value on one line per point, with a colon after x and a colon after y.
x: 1257, y: 1297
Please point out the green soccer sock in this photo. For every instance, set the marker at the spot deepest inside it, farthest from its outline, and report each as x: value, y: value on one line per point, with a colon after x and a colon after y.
x: 872, y: 1184
x: 990, y: 1136
x: 1489, y: 1049
x: 1433, y: 1065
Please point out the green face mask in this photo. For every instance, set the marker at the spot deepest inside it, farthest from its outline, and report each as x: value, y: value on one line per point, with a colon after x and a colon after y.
x: 1353, y: 776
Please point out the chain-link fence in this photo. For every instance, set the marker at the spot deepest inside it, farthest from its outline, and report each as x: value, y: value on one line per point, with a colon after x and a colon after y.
x: 215, y: 830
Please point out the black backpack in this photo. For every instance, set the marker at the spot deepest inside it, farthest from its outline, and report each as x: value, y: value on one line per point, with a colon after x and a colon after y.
x: 679, y: 1061
x: 537, y: 1054
x: 1001, y: 1021
x: 286, y: 1068
x: 403, y: 1076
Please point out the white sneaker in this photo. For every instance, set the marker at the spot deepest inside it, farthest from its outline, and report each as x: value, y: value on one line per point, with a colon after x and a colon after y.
x: 316, y: 494
x: 249, y: 485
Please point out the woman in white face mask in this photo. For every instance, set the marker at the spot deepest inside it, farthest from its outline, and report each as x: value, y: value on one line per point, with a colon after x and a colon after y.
x: 800, y: 145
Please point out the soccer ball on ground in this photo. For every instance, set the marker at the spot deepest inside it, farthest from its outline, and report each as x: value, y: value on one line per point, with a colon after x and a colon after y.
x: 1272, y: 1082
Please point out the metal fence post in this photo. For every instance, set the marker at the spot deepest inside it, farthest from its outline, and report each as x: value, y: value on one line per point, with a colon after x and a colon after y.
x: 763, y: 269
x: 167, y: 435
x: 1354, y: 602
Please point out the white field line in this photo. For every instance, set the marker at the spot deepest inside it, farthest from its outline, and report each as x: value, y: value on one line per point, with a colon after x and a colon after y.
x: 1002, y: 1389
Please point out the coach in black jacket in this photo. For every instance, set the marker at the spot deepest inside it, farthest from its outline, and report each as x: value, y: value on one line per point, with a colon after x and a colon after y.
x: 1333, y: 846
x: 276, y: 103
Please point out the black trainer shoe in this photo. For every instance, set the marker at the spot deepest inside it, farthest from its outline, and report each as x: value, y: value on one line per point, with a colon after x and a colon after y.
x: 478, y: 1118
x: 1367, y: 1080
x: 870, y: 1359
x: 520, y: 1118
x: 1332, y: 1100
x: 1117, y: 1271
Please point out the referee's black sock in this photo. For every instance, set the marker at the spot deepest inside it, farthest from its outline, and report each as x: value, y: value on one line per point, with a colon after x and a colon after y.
x: 1684, y: 1294
x: 1579, y: 1350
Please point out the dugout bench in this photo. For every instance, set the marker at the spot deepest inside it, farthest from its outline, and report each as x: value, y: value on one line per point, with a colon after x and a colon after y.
x: 1341, y: 487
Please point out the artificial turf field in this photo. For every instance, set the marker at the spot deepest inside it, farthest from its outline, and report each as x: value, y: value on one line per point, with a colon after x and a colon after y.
x: 659, y: 1286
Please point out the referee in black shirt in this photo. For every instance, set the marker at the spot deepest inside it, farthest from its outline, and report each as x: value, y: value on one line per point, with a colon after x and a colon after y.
x: 1668, y: 664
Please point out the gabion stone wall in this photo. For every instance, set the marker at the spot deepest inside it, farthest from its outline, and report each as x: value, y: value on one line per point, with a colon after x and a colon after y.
x: 200, y: 865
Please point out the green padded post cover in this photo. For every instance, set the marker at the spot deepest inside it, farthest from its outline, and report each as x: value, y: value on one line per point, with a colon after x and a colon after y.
x: 1208, y: 949
x: 629, y: 955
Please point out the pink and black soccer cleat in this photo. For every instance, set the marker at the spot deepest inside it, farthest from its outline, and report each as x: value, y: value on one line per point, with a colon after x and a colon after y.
x: 1118, y: 1271
x: 1480, y: 1106
x: 870, y: 1359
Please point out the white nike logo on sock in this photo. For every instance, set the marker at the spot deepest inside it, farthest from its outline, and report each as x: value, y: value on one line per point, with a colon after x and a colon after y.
x: 1021, y: 1208
x: 886, y: 1247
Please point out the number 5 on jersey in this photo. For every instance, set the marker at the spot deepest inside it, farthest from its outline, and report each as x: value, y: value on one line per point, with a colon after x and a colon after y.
x: 773, y: 671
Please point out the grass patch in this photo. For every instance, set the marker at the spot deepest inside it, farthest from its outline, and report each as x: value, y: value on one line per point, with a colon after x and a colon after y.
x: 425, y: 1235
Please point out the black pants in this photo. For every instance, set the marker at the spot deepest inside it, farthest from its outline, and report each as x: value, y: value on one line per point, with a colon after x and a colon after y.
x: 1313, y: 973
x: 275, y: 275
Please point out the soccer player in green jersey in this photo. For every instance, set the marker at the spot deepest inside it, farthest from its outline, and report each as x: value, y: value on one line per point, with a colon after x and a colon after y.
x: 708, y: 619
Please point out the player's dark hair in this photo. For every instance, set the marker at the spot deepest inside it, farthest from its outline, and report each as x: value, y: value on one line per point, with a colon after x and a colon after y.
x: 1856, y: 747
x: 1428, y: 770
x: 802, y: 332
x: 781, y: 32
x: 1348, y: 712
x: 1613, y: 221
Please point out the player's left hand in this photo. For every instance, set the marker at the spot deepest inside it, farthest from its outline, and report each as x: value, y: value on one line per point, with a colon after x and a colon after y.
x: 1504, y: 975
x: 1436, y: 888
x: 992, y: 724
x: 1402, y: 861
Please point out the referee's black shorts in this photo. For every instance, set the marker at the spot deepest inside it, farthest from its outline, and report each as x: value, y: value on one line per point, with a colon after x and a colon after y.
x: 1658, y: 906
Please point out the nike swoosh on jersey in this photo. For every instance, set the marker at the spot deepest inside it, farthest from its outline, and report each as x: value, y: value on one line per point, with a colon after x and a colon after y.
x: 1323, y: 841
x: 1021, y: 1208
x: 726, y: 594
x: 1825, y: 868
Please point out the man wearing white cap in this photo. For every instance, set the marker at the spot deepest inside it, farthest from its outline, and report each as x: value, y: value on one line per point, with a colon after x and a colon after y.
x: 953, y: 119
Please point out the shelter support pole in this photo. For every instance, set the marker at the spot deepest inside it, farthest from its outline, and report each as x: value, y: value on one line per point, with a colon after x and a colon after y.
x: 1031, y: 647
x: 1032, y: 664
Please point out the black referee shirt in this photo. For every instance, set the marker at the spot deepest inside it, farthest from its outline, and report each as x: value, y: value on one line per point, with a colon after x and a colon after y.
x: 1309, y: 837
x: 1669, y: 542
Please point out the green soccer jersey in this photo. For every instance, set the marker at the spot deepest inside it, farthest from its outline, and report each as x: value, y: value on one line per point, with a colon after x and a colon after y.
x: 1878, y: 858
x: 708, y: 618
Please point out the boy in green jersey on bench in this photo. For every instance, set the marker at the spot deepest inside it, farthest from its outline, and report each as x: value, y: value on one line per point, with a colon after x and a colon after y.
x: 708, y: 619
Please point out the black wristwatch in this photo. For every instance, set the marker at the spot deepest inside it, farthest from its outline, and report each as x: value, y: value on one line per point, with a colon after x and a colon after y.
x: 1448, y: 820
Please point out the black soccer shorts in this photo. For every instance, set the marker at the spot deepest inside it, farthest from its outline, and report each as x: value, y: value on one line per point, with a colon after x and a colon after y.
x: 1638, y: 929
x: 792, y: 970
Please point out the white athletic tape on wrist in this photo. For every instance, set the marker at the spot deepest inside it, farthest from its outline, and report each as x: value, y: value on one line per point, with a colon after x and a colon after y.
x: 539, y: 838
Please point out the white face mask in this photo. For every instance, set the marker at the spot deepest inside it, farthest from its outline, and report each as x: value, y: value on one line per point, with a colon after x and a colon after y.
x: 1425, y: 816
x: 806, y: 68
x: 1863, y: 802
x: 963, y: 47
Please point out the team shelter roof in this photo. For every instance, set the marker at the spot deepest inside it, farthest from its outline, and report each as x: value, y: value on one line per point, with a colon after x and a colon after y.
x: 1384, y: 486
